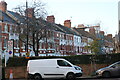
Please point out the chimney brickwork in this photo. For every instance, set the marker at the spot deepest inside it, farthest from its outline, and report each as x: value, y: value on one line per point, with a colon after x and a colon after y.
x: 67, y: 23
x: 3, y: 6
x: 29, y: 12
x: 51, y: 19
x: 109, y: 35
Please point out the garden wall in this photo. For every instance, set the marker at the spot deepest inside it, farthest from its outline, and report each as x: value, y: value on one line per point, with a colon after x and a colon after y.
x: 21, y: 72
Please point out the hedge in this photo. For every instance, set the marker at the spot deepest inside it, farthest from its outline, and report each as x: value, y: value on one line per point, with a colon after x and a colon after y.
x: 78, y: 59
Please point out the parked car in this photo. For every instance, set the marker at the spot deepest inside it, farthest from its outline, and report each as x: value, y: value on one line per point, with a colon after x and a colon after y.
x: 110, y: 71
x: 52, y: 68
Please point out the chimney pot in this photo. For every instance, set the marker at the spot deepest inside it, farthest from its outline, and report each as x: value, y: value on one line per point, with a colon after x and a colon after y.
x: 109, y: 35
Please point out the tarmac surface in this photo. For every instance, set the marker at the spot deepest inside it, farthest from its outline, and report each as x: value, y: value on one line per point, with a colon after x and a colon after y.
x: 76, y: 79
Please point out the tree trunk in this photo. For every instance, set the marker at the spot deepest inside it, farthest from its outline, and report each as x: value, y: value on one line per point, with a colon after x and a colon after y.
x: 37, y: 45
x: 36, y: 54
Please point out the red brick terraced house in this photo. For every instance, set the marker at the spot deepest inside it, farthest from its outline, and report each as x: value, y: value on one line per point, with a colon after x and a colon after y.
x: 7, y: 27
x: 59, y: 40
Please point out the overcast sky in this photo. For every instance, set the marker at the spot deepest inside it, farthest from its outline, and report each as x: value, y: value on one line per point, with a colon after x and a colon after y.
x: 87, y: 12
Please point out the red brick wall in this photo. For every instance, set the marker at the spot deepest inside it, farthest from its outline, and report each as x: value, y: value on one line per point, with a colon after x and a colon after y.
x: 21, y: 72
x: 88, y: 69
x: 18, y: 72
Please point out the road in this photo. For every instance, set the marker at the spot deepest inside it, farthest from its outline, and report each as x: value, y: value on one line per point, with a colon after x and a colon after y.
x: 79, y: 79
x: 100, y: 79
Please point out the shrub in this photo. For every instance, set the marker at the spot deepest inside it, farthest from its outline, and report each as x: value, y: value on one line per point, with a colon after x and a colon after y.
x: 78, y: 59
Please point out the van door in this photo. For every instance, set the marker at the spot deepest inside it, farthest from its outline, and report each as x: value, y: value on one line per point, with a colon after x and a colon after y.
x: 58, y: 70
x: 63, y: 67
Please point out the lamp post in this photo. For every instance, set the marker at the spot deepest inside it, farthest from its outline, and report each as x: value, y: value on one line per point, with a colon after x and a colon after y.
x: 27, y: 25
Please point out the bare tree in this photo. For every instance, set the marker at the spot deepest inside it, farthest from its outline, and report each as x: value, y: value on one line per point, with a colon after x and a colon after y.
x: 31, y: 24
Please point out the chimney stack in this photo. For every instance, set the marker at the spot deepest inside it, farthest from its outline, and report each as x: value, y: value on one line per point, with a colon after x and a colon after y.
x: 81, y: 26
x: 3, y: 6
x: 102, y: 32
x: 92, y: 30
x: 29, y: 12
x: 109, y: 35
x: 51, y: 19
x: 67, y: 23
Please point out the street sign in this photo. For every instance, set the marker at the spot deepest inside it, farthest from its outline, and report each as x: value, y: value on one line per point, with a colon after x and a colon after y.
x: 10, y: 48
x: 10, y: 52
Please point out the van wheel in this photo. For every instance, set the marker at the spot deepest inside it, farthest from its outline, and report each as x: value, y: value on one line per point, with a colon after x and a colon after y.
x: 106, y: 74
x: 70, y: 76
x: 37, y: 77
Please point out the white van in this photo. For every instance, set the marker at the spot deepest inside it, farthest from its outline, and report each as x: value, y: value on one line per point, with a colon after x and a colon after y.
x: 52, y: 68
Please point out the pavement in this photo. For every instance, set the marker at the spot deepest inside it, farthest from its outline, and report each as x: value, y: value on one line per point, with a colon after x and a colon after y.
x: 79, y: 78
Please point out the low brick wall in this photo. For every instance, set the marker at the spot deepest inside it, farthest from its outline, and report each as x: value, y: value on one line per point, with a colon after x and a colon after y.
x: 88, y: 69
x: 21, y: 72
x: 18, y: 72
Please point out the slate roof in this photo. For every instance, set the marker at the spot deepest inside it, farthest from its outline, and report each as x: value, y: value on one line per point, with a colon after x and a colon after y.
x: 66, y: 29
x: 6, y: 18
x: 19, y: 17
x: 57, y: 27
x: 84, y: 33
x: 44, y: 23
x: 52, y: 26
